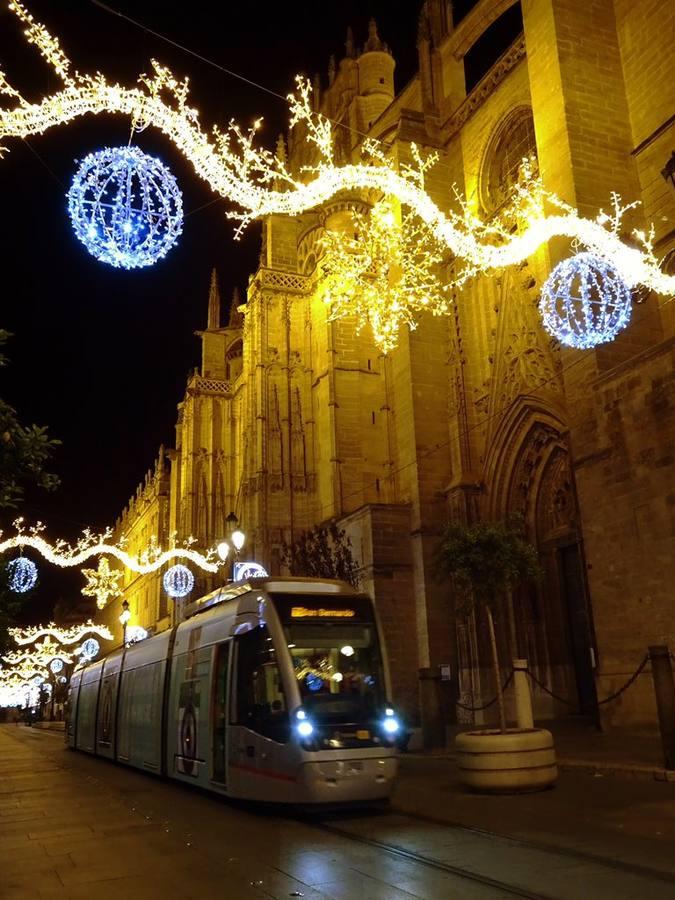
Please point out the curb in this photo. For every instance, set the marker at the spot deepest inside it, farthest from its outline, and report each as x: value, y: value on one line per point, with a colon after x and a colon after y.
x: 598, y: 768
x: 637, y: 771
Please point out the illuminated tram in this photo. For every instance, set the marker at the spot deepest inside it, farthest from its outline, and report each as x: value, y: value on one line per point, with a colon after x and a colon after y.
x: 275, y: 689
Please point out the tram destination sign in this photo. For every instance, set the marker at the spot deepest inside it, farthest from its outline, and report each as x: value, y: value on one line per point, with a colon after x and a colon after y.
x: 304, y: 612
x: 312, y: 608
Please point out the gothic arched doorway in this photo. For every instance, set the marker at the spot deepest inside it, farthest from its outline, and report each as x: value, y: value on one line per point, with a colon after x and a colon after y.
x: 528, y: 472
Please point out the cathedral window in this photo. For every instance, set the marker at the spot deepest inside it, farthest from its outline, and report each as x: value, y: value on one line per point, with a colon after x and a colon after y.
x: 233, y: 361
x: 513, y: 141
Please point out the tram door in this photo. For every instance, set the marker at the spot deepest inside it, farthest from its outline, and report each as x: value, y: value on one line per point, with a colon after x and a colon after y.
x: 260, y: 728
x: 219, y: 737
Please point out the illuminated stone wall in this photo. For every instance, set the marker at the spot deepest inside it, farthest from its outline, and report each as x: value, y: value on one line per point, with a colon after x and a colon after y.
x: 478, y: 414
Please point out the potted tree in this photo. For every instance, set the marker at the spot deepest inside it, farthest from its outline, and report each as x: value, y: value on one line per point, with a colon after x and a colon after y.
x: 484, y: 563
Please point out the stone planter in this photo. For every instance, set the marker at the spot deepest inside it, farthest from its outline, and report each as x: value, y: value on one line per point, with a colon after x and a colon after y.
x: 515, y: 762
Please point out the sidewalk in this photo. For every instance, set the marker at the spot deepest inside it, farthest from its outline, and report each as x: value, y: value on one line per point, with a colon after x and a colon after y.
x: 581, y: 747
x: 612, y: 799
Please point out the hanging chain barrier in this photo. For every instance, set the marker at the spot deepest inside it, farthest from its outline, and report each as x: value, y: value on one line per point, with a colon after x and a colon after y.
x: 490, y: 703
x: 548, y: 691
x: 632, y: 678
x: 571, y: 703
x: 612, y: 696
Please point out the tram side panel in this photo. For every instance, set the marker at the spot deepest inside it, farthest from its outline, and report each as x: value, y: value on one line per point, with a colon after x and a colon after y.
x: 107, y: 705
x: 196, y: 715
x: 87, y: 708
x: 139, y: 722
x: 188, y: 716
x: 71, y: 715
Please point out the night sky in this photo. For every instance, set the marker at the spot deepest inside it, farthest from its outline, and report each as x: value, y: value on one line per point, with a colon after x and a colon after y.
x: 100, y: 355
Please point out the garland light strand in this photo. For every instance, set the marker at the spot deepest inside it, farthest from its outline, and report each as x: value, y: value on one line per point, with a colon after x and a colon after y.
x: 23, y: 636
x: 261, y: 184
x: 66, y: 555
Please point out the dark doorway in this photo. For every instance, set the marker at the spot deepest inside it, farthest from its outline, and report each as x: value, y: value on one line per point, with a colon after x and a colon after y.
x: 580, y: 634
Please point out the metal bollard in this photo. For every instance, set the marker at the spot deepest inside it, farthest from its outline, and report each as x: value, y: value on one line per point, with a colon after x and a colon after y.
x: 521, y: 686
x: 664, y: 689
x: 433, y: 723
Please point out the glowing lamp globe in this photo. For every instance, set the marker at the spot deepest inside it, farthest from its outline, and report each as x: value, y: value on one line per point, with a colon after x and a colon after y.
x: 23, y: 574
x: 56, y: 665
x: 89, y: 649
x: 585, y: 302
x: 125, y: 207
x: 178, y: 581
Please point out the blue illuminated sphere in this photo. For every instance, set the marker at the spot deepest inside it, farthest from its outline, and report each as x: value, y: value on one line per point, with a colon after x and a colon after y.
x: 585, y: 302
x: 89, y: 649
x: 314, y: 682
x: 23, y: 575
x: 125, y: 207
x: 178, y: 581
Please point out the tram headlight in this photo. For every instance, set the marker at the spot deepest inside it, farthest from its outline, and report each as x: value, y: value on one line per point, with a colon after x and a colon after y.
x: 305, y: 729
x: 391, y: 725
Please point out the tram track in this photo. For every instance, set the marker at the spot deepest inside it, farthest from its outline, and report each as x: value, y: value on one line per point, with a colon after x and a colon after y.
x: 430, y: 862
x: 582, y: 856
x: 583, y: 861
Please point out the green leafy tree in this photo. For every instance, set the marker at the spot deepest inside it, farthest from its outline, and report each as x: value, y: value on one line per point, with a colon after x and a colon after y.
x: 324, y: 551
x: 24, y: 452
x: 485, y: 562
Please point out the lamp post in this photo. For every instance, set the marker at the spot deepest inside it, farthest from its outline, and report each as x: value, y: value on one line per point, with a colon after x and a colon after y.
x: 236, y: 537
x: 125, y: 615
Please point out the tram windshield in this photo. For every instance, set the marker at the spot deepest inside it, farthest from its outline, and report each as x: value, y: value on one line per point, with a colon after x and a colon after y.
x: 338, y: 668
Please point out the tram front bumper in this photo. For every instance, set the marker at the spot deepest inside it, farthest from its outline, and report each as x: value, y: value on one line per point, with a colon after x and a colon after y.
x: 347, y: 780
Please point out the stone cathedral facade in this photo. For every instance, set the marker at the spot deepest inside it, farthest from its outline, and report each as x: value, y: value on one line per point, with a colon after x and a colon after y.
x: 293, y: 420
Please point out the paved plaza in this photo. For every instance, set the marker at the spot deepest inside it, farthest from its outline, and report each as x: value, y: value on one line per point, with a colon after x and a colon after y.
x: 75, y: 827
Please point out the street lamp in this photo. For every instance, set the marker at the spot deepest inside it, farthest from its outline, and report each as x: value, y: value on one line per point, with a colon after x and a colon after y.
x: 125, y: 615
x: 236, y: 537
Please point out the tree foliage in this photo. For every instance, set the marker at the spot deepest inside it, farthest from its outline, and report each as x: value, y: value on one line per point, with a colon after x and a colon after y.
x: 24, y: 452
x: 486, y: 559
x: 322, y: 552
x: 483, y: 562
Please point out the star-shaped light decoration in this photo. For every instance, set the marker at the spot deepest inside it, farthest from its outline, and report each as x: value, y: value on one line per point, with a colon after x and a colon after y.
x: 385, y: 273
x: 102, y: 583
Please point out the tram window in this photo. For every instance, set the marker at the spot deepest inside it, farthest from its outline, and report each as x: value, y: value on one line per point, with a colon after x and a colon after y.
x: 338, y: 668
x: 261, y: 703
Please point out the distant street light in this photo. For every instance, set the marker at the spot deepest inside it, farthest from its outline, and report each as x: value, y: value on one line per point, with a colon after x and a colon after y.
x: 236, y: 538
x: 223, y: 550
x: 125, y: 615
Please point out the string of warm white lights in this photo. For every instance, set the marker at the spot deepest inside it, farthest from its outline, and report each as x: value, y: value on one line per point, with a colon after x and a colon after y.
x: 66, y: 555
x: 72, y: 635
x: 38, y: 657
x: 385, y: 274
x: 261, y: 184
